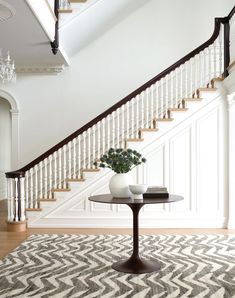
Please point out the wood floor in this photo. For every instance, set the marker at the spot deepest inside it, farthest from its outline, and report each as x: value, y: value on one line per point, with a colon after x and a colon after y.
x: 10, y: 240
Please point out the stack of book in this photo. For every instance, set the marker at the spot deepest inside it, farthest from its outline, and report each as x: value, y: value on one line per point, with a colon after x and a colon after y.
x: 156, y: 192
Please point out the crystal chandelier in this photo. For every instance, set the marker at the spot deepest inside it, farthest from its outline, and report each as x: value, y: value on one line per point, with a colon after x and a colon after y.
x: 7, y: 68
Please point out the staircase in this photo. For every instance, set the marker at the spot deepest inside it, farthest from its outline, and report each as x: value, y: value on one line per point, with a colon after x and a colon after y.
x: 57, y: 174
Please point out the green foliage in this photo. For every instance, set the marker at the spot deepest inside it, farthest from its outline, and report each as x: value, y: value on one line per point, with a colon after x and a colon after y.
x: 120, y: 160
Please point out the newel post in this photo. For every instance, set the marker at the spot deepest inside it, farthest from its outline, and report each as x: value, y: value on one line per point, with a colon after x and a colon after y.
x: 16, y: 219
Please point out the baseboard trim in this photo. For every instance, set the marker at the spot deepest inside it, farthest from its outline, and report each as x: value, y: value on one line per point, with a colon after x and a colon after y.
x: 127, y: 223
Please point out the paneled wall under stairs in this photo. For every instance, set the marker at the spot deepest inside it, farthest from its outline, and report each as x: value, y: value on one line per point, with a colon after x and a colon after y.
x: 189, y: 157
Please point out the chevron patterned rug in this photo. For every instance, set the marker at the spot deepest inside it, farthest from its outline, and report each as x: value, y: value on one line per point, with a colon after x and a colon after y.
x: 80, y: 266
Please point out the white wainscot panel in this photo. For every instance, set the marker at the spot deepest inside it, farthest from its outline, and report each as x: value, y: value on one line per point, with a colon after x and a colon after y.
x: 155, y: 173
x: 180, y: 170
x: 103, y: 189
x: 80, y: 206
x: 207, y: 162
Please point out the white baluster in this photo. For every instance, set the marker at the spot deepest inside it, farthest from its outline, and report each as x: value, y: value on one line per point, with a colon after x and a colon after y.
x: 132, y: 118
x: 113, y: 129
x: 200, y: 68
x: 27, y: 204
x: 108, y: 131
x: 142, y: 124
x: 214, y: 50
x: 137, y: 116
x: 220, y: 53
x: 93, y: 146
x: 74, y: 158
x: 88, y: 148
x: 22, y: 199
x: 210, y: 63
x: 151, y: 105
x: 98, y: 140
x: 50, y: 177
x: 128, y: 115
x: 157, y: 99
x: 64, y: 166
x: 70, y: 160
x: 103, y: 135
x: 84, y: 149
x: 191, y: 77
x: 195, y: 74
x: 36, y: 184
x: 79, y: 156
x: 40, y: 181
x: 10, y: 199
x: 123, y: 133
x: 31, y: 189
x: 118, y: 127
x: 187, y: 79
x: 172, y: 89
x: 147, y: 108
x: 162, y: 97
x: 60, y: 169
x: 176, y: 87
x: 16, y: 199
x: 166, y: 94
x: 203, y: 68
x: 181, y: 84
x: 45, y: 179
x: 55, y: 169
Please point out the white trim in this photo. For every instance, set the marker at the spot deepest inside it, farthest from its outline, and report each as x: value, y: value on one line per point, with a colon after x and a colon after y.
x: 14, y: 128
x: 40, y: 69
x: 126, y: 222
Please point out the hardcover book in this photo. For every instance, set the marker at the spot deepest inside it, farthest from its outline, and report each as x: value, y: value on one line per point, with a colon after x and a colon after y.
x: 156, y: 192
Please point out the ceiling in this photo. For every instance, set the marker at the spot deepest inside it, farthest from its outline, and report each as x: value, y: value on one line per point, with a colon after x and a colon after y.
x: 29, y: 45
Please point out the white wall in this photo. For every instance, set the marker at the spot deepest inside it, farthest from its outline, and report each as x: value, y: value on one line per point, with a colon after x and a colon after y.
x: 5, y: 144
x: 142, y: 45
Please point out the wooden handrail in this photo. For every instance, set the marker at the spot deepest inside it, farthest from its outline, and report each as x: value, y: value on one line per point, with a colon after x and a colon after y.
x: 232, y: 12
x: 187, y: 57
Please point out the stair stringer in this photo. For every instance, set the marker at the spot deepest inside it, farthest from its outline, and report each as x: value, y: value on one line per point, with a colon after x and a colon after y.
x: 74, y: 210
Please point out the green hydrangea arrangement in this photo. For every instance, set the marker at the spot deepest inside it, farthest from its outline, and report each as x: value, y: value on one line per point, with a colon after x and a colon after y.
x: 120, y: 160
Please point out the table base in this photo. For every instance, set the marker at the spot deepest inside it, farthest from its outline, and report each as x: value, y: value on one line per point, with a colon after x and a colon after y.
x: 136, y: 265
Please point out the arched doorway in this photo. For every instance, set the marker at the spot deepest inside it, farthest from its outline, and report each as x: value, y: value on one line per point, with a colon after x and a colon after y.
x: 5, y: 143
x: 9, y: 137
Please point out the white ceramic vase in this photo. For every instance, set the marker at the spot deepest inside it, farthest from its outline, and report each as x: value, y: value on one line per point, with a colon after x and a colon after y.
x: 119, y: 185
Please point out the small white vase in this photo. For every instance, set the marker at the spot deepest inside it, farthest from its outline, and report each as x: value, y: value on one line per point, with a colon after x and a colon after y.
x: 119, y: 185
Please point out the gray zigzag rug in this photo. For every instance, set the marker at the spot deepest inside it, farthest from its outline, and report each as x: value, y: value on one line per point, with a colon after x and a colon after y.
x: 80, y: 266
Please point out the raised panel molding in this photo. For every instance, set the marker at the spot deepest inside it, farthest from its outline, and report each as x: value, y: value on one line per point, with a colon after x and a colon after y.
x: 189, y: 159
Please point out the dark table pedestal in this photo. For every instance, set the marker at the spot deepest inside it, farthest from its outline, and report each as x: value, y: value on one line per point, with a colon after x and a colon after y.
x: 135, y: 264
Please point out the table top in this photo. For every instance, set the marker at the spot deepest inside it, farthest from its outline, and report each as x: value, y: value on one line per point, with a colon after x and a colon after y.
x: 109, y: 199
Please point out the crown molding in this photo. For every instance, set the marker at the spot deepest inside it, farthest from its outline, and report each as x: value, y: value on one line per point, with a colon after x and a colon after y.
x: 40, y: 69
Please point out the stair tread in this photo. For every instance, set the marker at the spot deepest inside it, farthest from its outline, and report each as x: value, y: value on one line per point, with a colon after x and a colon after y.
x: 62, y: 10
x: 134, y: 140
x: 218, y: 79
x: 61, y: 189
x: 33, y: 209
x: 76, y: 180
x: 178, y: 109
x: 47, y: 200
x: 193, y: 99
x: 207, y: 89
x: 90, y: 170
x: 149, y: 129
x: 163, y: 119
